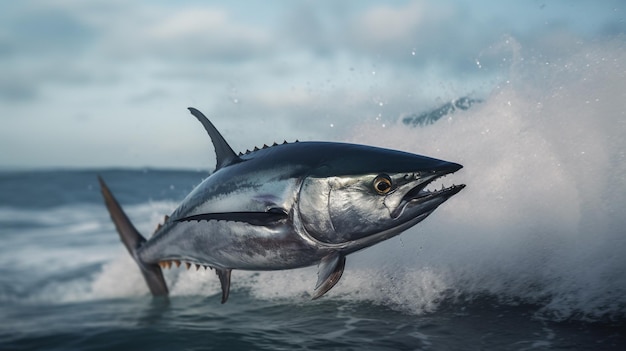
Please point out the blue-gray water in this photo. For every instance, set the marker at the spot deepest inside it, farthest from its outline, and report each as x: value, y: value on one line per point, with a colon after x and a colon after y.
x: 66, y: 283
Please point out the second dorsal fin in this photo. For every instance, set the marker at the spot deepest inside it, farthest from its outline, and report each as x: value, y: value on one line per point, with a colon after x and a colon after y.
x: 223, y: 152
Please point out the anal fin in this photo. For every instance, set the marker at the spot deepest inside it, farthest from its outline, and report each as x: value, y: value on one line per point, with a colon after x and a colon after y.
x: 224, y: 275
x: 329, y: 272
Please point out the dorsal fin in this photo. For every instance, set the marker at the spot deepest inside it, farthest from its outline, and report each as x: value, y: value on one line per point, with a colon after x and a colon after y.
x: 223, y: 152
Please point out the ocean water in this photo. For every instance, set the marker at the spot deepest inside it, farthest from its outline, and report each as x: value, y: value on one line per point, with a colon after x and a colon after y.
x: 66, y: 283
x: 530, y: 256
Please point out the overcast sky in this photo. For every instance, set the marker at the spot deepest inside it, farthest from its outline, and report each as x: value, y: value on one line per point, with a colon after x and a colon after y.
x: 107, y: 83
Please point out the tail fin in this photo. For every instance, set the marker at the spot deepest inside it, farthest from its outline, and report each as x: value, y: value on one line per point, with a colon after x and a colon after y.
x: 133, y: 240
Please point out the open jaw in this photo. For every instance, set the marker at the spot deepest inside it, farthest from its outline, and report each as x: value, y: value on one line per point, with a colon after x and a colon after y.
x: 420, y: 196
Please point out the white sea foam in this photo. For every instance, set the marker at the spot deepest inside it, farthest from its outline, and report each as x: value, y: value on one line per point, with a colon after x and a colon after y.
x: 542, y: 217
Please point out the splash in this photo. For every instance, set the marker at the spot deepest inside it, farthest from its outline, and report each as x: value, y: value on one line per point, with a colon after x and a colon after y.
x: 541, y: 220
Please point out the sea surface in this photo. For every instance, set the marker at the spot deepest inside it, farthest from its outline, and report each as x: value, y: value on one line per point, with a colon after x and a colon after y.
x: 530, y: 256
x: 67, y: 283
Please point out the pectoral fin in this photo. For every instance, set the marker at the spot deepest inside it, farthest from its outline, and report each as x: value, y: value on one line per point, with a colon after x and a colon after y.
x: 224, y: 275
x: 328, y: 274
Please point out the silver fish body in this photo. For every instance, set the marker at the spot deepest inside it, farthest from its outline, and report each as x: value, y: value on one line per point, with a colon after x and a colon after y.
x: 289, y: 206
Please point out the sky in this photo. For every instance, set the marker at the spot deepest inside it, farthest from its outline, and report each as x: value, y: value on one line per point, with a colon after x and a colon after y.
x: 106, y: 83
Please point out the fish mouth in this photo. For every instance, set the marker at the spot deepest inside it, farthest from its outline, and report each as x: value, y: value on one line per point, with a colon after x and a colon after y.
x: 426, y: 197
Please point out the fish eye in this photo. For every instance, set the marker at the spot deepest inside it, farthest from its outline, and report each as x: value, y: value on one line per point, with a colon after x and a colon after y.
x: 382, y: 184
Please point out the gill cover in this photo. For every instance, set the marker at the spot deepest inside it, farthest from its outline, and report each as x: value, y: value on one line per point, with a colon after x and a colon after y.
x: 341, y: 209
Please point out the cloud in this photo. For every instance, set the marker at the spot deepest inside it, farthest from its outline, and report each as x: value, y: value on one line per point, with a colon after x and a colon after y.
x: 284, y: 69
x: 383, y: 24
x: 16, y: 90
x: 412, y: 34
x: 45, y: 44
x: 190, y: 34
x: 422, y: 33
x: 43, y: 30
